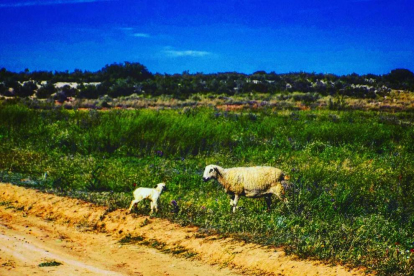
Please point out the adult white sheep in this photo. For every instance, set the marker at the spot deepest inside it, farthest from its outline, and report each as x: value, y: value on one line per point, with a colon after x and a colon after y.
x: 248, y: 181
x: 148, y: 193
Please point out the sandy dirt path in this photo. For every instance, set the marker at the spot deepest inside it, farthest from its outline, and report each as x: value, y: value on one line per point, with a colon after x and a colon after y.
x: 27, y: 241
x: 37, y: 228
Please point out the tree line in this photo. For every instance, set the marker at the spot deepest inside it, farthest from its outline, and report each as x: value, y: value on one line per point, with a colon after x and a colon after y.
x: 125, y: 79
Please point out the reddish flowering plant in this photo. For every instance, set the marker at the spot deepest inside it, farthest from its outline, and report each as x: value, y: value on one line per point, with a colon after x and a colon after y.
x: 412, y: 250
x: 135, y: 184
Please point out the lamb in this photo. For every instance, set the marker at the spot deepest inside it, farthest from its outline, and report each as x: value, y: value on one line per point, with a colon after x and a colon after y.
x: 249, y: 181
x: 151, y: 194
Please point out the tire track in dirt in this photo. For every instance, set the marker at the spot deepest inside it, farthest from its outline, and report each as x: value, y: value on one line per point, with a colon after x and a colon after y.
x: 75, y: 215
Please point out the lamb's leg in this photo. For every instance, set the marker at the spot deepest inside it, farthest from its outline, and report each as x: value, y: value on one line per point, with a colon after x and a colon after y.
x: 234, y: 201
x: 135, y: 201
x: 155, y: 206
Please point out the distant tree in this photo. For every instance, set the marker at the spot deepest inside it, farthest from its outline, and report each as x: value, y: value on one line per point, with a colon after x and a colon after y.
x: 259, y: 73
x: 60, y: 97
x: 88, y: 92
x: 46, y: 91
x: 103, y: 88
x: 41, y: 75
x: 149, y: 87
x: 115, y: 71
x: 301, y: 85
x: 371, y: 77
x: 256, y: 87
x: 4, y: 74
x: 400, y: 79
x: 26, y: 90
x: 122, y: 87
x: 25, y: 75
x: 3, y: 89
x: 226, y: 87
x: 68, y: 91
x: 401, y: 75
x: 14, y: 85
x: 213, y: 85
x: 165, y: 85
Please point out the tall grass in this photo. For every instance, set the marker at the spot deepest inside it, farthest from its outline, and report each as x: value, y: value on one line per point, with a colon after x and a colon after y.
x: 352, y: 200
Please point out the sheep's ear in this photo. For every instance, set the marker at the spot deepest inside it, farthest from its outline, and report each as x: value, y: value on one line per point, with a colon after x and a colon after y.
x: 217, y: 171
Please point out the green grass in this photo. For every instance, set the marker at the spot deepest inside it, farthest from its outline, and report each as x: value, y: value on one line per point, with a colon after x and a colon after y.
x: 352, y: 200
x: 51, y: 263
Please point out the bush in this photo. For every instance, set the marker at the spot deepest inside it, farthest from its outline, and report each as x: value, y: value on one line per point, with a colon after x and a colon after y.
x: 46, y: 91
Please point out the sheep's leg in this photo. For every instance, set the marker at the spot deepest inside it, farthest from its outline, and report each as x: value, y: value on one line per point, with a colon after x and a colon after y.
x: 268, y: 199
x: 231, y: 200
x: 234, y: 201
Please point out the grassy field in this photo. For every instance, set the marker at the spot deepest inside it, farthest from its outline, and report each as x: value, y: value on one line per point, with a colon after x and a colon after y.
x: 352, y: 200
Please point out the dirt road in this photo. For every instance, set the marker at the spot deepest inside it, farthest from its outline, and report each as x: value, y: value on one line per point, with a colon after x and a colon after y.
x: 27, y: 241
x: 38, y: 228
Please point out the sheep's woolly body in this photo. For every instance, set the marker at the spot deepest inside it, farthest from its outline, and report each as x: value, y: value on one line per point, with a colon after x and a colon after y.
x: 248, y: 181
x: 251, y: 181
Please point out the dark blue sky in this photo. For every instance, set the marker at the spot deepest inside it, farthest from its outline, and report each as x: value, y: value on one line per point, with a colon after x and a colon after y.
x: 340, y: 37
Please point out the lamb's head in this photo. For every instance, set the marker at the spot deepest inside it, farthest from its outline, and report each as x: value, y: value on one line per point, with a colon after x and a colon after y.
x: 211, y: 171
x: 160, y: 187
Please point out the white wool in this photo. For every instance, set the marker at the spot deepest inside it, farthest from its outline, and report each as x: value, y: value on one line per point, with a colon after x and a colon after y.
x: 248, y: 181
x: 148, y: 193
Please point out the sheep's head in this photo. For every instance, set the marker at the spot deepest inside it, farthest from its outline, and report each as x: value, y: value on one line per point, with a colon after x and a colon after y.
x: 211, y: 171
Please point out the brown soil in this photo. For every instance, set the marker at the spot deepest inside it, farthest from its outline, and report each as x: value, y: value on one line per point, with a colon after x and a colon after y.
x: 37, y: 228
